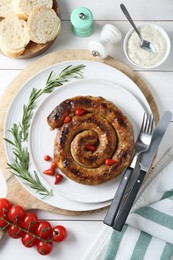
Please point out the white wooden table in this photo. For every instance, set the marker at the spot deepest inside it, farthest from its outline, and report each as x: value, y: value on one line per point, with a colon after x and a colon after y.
x: 83, y: 229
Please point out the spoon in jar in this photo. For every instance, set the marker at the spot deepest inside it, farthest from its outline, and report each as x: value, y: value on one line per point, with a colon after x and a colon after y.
x: 144, y: 44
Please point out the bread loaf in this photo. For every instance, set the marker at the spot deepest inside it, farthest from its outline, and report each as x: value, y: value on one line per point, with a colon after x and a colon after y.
x: 23, y: 8
x: 13, y: 36
x: 43, y: 25
x: 6, y: 7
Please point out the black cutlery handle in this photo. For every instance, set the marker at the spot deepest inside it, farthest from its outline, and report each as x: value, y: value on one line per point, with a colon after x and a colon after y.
x: 115, y: 204
x: 124, y: 211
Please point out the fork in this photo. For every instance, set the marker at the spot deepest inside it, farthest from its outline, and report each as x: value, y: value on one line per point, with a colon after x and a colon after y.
x: 144, y: 44
x: 142, y: 144
x: 144, y: 138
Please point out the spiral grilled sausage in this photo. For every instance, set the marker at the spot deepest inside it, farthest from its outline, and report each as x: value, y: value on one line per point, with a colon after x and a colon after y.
x: 103, y: 126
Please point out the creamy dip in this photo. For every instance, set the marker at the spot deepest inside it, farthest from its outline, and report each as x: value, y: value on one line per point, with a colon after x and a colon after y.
x: 142, y: 57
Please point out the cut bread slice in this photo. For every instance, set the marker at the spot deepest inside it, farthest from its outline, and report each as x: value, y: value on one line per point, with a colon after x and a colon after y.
x: 23, y: 8
x: 6, y: 7
x: 43, y: 25
x: 1, y: 24
x: 13, y: 36
x: 11, y: 53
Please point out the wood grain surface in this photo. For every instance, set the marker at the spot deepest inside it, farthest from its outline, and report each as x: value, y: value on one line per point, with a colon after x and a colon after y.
x: 16, y: 193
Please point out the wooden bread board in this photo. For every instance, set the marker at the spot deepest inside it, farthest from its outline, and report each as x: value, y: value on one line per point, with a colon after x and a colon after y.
x: 16, y: 193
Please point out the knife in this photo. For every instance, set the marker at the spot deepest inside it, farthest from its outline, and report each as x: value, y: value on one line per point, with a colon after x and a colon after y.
x: 120, y: 193
x: 127, y: 176
x: 144, y: 166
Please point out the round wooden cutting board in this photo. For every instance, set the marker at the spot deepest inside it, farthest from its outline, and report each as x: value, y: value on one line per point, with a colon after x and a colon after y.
x: 16, y: 193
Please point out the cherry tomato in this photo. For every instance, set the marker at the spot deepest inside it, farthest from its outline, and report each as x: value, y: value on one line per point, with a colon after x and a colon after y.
x: 44, y: 230
x: 29, y: 240
x: 47, y: 158
x: 5, y: 205
x: 4, y: 208
x: 91, y: 148
x: 3, y: 222
x: 16, y: 214
x: 58, y: 178
x: 44, y: 248
x: 50, y: 172
x: 30, y: 221
x: 15, y: 231
x: 80, y: 111
x: 59, y: 233
x: 53, y: 165
x: 67, y: 119
x: 110, y: 162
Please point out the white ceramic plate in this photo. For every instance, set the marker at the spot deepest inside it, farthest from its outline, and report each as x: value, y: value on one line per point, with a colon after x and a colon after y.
x: 94, y: 74
x: 41, y: 139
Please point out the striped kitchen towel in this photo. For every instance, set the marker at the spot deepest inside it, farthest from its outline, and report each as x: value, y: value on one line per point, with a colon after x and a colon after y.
x: 148, y: 232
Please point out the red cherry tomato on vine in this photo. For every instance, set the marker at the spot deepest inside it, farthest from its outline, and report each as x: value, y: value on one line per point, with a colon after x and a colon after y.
x: 59, y: 233
x: 30, y: 221
x: 15, y: 231
x: 44, y: 248
x: 44, y: 230
x: 5, y: 205
x: 29, y: 240
x: 3, y: 221
x: 16, y: 214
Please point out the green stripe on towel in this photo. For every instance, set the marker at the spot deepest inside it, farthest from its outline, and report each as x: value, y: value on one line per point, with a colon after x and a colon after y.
x: 167, y: 252
x: 141, y: 246
x: 156, y: 216
x: 114, y: 243
x: 168, y: 195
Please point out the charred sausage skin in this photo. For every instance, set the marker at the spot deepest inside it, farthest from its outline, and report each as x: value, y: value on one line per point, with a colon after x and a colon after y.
x: 104, y: 126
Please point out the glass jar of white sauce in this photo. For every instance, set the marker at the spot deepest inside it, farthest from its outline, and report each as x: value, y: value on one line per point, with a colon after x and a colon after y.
x: 143, y: 58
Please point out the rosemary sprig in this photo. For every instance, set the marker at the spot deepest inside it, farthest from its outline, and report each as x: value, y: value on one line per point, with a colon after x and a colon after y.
x: 20, y: 165
x: 52, y: 82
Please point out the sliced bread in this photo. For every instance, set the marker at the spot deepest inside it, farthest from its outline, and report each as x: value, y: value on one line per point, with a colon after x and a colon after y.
x: 23, y: 8
x: 43, y: 25
x: 6, y: 7
x: 11, y: 53
x: 13, y: 36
